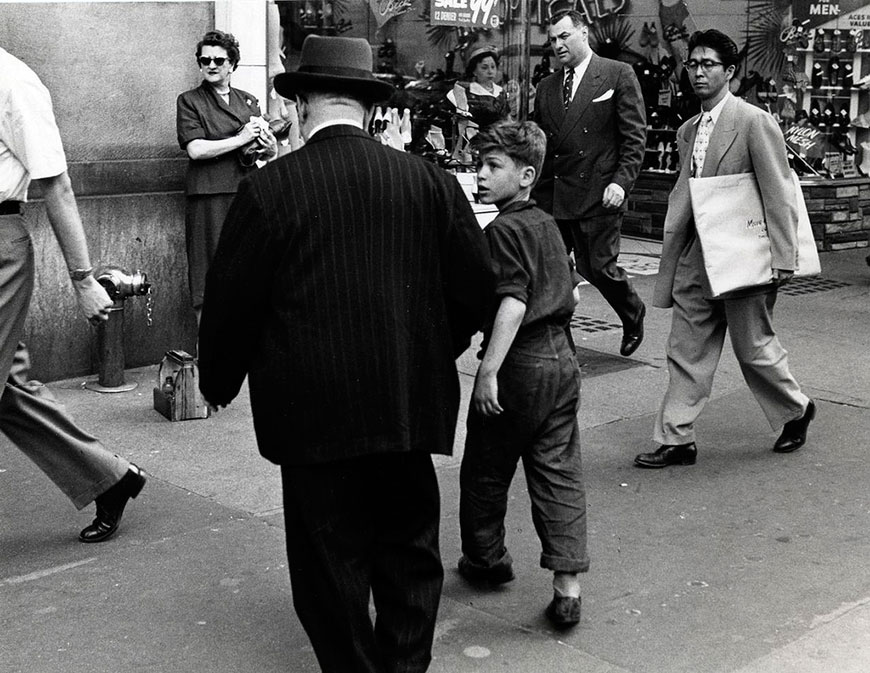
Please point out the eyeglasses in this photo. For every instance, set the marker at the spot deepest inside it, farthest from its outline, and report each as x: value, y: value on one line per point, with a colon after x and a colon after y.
x: 706, y: 65
x: 205, y: 60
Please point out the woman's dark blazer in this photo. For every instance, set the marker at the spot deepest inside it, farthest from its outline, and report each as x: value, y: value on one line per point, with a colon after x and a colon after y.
x: 201, y: 113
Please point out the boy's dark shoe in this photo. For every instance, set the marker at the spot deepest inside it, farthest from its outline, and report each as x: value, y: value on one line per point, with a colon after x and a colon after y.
x: 794, y: 433
x: 669, y: 454
x: 564, y: 611
x: 494, y: 575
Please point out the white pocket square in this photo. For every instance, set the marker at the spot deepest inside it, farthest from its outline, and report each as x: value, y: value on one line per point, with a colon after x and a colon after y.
x: 607, y: 95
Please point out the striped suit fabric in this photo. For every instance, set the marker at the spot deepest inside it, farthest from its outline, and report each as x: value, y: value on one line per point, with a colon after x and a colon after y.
x: 347, y: 279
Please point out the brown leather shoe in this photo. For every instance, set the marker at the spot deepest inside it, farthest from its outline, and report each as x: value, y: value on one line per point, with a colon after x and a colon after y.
x: 110, y: 506
x: 669, y: 454
x: 794, y: 433
x: 564, y: 611
x: 632, y: 337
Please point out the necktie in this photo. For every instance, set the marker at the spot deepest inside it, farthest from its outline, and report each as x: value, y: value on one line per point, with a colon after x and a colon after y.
x: 702, y: 140
x: 568, y: 88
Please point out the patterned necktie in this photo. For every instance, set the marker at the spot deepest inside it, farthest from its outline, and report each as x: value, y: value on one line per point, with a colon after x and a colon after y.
x: 568, y: 88
x: 702, y: 140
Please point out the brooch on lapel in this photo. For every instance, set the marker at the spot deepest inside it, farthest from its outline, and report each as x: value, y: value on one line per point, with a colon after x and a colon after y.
x: 248, y: 101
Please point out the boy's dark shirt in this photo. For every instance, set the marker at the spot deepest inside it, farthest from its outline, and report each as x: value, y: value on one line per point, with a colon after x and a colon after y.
x: 531, y: 264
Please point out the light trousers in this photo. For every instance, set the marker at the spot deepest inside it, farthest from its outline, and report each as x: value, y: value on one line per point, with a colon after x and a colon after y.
x: 30, y: 416
x: 695, y: 344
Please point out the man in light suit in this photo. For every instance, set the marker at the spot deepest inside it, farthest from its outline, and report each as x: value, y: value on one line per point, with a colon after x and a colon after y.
x: 730, y: 136
x: 593, y: 114
x: 348, y: 277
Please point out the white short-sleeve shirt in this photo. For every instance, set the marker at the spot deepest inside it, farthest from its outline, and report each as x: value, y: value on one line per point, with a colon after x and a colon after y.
x: 30, y: 144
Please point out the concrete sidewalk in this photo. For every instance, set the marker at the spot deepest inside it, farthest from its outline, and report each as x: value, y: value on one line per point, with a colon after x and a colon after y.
x: 748, y: 562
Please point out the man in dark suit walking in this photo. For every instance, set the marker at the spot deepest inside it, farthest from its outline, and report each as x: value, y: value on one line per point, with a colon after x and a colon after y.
x: 347, y: 279
x: 592, y: 112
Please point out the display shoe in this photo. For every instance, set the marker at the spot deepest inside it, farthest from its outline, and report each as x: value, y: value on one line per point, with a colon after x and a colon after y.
x: 794, y: 433
x: 847, y: 73
x: 836, y: 45
x: 843, y: 118
x: 653, y: 35
x: 643, y: 41
x: 833, y: 118
x: 748, y: 83
x: 802, y: 39
x: 815, y: 114
x: 862, y: 121
x: 844, y: 143
x: 856, y: 38
x: 820, y: 41
x: 817, y: 75
x: 110, y: 506
x: 834, y: 71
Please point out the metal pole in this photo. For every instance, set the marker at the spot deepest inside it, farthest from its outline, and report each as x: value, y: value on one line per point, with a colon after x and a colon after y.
x: 525, y: 76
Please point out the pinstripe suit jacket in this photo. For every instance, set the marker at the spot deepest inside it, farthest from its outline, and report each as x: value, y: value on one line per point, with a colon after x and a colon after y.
x: 347, y: 279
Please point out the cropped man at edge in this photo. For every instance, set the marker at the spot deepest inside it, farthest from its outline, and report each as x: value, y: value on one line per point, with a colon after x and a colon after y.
x: 31, y: 149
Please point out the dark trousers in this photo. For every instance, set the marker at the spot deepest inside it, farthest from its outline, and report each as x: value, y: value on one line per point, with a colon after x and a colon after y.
x: 360, y: 528
x: 539, y: 390
x: 595, y: 243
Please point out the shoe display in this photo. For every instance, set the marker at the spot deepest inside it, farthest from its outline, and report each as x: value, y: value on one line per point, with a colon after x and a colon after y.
x: 669, y: 454
x: 820, y: 41
x: 794, y: 433
x: 111, y: 504
x: 836, y: 43
x: 564, y: 611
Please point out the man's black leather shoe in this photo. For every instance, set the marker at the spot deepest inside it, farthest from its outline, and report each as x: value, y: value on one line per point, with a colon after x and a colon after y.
x: 631, y: 338
x: 669, y: 454
x: 563, y: 611
x: 110, y: 506
x: 794, y: 433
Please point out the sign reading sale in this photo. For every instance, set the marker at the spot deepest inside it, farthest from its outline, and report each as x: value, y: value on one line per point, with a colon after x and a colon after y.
x: 465, y: 13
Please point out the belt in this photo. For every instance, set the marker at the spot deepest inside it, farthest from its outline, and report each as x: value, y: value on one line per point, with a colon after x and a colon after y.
x: 11, y: 208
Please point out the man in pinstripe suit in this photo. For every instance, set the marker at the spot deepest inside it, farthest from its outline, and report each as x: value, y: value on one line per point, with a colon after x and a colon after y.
x: 347, y: 279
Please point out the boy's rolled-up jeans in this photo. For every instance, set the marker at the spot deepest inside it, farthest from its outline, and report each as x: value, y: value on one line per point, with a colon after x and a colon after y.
x: 539, y: 390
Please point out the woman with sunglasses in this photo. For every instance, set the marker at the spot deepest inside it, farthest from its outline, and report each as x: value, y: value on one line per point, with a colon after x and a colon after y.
x: 223, y: 132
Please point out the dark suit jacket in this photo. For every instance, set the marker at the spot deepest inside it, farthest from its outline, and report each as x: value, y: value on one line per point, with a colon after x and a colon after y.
x: 745, y: 139
x: 599, y: 139
x: 347, y: 279
x: 201, y: 113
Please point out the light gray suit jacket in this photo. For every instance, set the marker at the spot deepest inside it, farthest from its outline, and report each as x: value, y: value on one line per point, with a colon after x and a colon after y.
x: 745, y: 139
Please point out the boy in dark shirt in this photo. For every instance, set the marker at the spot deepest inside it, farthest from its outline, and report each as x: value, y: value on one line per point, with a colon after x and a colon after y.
x: 527, y: 391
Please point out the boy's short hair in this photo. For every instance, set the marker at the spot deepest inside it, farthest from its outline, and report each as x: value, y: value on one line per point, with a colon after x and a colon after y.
x: 524, y: 142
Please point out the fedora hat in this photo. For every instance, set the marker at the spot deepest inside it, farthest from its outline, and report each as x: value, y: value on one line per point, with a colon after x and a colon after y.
x: 341, y: 64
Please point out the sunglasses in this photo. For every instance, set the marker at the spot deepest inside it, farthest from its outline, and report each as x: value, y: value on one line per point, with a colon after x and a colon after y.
x: 205, y: 60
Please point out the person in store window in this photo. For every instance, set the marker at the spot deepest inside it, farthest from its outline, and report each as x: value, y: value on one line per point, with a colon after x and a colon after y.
x: 487, y: 101
x: 224, y: 134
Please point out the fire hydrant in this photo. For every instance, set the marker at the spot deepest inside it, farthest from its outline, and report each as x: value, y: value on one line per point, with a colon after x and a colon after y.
x: 110, y: 333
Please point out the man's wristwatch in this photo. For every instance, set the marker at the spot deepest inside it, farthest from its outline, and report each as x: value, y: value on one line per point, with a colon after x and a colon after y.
x: 81, y: 274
